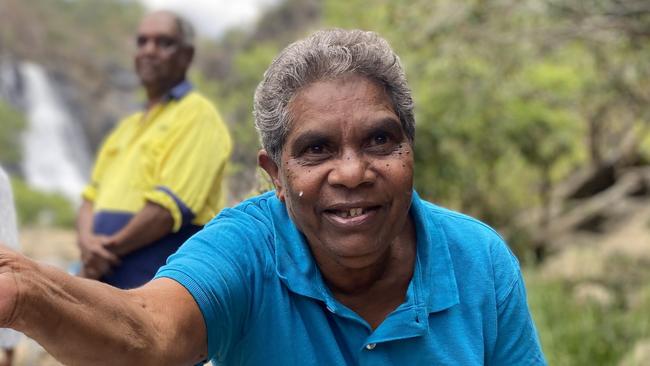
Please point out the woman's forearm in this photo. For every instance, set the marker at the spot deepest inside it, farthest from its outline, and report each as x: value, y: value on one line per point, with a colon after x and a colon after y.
x: 83, y: 322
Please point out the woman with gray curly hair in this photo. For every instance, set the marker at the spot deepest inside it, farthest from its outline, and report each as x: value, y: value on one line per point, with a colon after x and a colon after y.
x: 342, y: 264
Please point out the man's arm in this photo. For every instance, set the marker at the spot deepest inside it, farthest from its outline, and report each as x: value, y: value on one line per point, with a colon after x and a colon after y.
x: 99, y: 253
x: 82, y: 322
x: 148, y: 225
x: 85, y: 221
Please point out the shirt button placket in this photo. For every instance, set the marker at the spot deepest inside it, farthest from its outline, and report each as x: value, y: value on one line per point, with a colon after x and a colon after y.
x: 371, y: 356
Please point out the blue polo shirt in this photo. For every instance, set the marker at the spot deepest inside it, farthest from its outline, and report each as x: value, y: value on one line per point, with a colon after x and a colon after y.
x: 264, y: 301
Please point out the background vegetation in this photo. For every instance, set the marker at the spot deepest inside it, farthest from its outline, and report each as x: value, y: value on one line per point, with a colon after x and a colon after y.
x: 12, y: 126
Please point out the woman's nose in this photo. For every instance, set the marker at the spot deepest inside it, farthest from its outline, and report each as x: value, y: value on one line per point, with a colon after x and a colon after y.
x: 351, y: 171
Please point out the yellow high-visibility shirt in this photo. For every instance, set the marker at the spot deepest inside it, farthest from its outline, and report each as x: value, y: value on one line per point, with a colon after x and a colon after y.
x: 174, y: 155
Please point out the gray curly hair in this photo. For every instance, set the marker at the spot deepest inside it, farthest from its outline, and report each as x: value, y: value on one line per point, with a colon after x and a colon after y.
x: 326, y: 55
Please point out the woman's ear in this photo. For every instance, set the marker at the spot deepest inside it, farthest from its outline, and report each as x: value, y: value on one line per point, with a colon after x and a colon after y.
x: 271, y: 168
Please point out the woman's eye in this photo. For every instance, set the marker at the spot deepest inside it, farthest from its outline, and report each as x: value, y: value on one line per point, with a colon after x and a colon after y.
x: 315, y: 149
x: 315, y: 153
x: 381, y: 143
x: 381, y: 139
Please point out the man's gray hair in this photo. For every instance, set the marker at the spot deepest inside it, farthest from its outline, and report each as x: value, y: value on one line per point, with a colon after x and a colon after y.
x: 327, y: 55
x: 186, y: 30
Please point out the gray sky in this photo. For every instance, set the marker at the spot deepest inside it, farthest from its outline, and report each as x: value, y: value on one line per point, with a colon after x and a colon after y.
x: 212, y: 17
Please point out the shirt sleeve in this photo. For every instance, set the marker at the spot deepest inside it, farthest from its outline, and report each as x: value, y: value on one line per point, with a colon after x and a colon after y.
x: 220, y: 269
x: 517, y: 342
x: 188, y: 162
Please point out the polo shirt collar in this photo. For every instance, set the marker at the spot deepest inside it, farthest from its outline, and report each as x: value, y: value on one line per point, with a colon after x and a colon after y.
x: 295, y: 264
x: 433, y: 286
x: 179, y: 91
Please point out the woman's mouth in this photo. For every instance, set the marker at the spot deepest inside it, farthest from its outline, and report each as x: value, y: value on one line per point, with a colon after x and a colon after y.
x: 352, y: 216
x: 353, y: 212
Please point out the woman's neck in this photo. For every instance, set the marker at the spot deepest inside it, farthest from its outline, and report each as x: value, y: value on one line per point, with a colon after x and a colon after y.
x: 376, y: 290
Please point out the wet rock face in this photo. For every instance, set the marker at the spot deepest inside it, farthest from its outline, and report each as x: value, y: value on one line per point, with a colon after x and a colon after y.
x: 98, y: 99
x: 11, y: 82
x: 68, y: 113
x: 87, y: 57
x: 51, y: 127
x: 95, y: 99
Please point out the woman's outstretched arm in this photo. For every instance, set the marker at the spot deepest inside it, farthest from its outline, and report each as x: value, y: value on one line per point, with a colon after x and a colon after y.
x: 85, y: 322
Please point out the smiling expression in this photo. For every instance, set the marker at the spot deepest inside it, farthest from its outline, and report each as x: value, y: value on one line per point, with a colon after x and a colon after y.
x: 346, y: 171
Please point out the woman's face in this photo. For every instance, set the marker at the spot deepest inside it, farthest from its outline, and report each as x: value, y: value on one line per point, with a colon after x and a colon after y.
x: 346, y: 170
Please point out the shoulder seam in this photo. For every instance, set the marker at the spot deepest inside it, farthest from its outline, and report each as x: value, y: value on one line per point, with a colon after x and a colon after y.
x: 507, y: 294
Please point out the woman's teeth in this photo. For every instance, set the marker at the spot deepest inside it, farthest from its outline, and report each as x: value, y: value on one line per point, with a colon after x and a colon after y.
x: 353, y: 212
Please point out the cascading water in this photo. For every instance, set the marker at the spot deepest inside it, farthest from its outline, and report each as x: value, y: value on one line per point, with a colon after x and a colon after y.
x: 54, y: 147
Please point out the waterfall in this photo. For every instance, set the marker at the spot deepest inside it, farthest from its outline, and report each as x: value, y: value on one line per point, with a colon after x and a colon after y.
x: 54, y: 146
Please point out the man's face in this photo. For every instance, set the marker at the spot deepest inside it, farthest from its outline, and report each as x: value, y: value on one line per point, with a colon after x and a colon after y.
x: 346, y: 170
x: 161, y: 59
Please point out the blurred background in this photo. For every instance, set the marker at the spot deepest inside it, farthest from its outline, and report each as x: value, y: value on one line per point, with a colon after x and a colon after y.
x: 532, y: 115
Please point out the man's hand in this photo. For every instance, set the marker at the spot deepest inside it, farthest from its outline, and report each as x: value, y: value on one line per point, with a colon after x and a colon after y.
x: 96, y: 257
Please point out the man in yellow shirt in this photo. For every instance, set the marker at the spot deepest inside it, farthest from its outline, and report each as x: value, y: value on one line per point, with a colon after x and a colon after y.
x: 158, y: 176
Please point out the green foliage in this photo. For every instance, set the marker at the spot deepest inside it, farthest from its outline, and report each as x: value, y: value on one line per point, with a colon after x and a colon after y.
x: 12, y: 124
x: 507, y: 96
x: 575, y: 333
x: 233, y: 93
x: 36, y: 207
x: 499, y: 86
x: 70, y: 31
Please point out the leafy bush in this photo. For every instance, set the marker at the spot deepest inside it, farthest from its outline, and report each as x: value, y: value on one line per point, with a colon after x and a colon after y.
x: 37, y: 207
x: 585, y: 334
